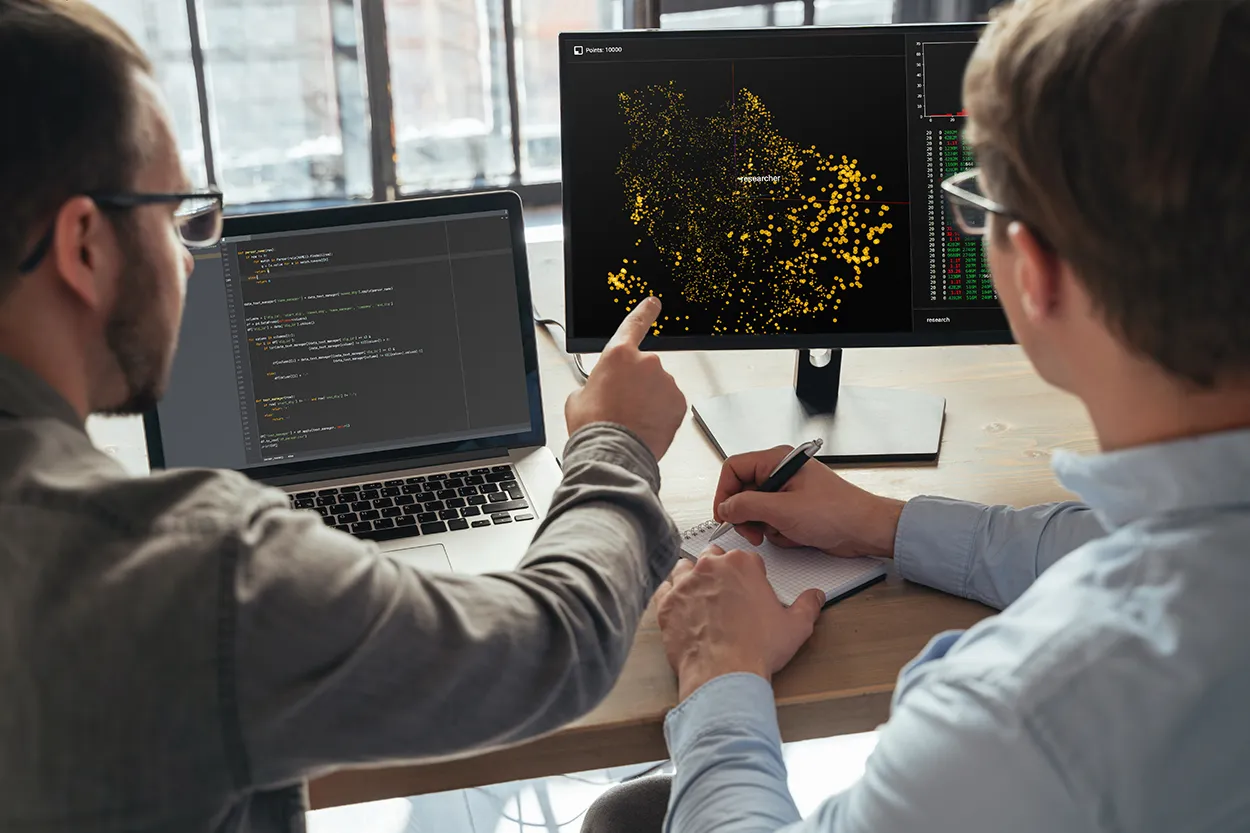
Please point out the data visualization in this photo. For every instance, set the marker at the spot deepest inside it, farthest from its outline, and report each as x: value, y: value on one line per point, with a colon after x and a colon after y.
x: 769, y: 184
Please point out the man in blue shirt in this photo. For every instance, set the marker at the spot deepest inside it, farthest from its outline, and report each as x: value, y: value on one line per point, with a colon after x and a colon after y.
x: 1113, y: 691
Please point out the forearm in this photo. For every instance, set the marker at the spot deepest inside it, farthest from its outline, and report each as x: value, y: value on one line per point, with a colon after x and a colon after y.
x: 394, y: 663
x: 991, y: 554
x: 726, y: 747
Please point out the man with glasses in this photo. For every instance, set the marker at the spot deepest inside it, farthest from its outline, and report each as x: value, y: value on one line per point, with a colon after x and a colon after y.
x: 1111, y: 693
x: 166, y: 642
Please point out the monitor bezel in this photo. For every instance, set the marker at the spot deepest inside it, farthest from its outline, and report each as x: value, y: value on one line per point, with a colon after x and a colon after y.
x: 409, y: 456
x: 577, y: 343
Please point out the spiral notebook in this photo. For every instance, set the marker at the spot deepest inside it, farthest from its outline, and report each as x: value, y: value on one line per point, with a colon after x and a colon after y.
x: 791, y: 570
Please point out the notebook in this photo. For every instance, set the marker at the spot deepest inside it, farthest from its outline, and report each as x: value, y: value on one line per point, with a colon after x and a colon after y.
x: 792, y: 570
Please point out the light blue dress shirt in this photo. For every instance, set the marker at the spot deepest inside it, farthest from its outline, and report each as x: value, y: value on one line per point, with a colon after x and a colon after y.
x: 1111, y: 694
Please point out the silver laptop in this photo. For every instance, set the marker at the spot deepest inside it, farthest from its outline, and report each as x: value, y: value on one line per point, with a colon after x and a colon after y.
x: 377, y: 362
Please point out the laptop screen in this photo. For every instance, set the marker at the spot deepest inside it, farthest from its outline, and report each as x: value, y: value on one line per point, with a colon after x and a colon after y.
x: 304, y: 345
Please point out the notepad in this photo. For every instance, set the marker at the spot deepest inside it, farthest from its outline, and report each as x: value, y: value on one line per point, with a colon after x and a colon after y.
x: 791, y: 570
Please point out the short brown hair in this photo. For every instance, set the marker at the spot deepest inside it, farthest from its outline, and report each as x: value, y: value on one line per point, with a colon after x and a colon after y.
x: 1116, y: 129
x: 69, y: 120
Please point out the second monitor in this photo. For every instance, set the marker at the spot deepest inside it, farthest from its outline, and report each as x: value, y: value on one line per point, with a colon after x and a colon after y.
x: 777, y: 189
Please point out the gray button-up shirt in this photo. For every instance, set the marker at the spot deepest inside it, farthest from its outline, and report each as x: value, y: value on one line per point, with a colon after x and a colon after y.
x: 1112, y: 695
x: 180, y: 652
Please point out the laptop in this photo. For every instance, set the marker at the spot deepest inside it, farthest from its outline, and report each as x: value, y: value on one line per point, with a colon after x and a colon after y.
x: 378, y: 363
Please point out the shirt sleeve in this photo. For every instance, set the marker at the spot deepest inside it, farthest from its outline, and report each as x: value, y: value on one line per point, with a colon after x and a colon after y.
x: 954, y: 756
x: 990, y: 554
x: 334, y: 654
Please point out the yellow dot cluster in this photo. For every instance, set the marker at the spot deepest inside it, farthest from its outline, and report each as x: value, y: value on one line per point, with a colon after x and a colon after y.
x: 762, y: 232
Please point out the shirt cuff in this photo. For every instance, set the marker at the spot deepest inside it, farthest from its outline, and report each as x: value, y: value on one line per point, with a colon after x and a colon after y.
x: 742, y: 700
x: 608, y: 442
x: 933, y: 545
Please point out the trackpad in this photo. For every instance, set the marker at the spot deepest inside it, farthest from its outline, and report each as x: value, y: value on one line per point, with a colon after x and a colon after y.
x: 425, y: 557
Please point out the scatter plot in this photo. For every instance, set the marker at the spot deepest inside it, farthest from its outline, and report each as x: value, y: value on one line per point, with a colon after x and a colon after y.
x: 758, y: 232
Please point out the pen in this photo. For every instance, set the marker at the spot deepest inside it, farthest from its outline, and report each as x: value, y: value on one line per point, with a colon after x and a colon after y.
x: 787, y: 468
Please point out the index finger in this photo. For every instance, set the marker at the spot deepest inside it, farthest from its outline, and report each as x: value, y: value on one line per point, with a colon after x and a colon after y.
x: 637, y: 324
x: 745, y: 470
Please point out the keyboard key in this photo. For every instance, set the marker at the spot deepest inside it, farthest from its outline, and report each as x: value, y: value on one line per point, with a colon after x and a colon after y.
x: 465, y: 491
x: 427, y: 517
x: 391, y: 491
x: 476, y: 500
x: 444, y: 494
x: 393, y: 512
x: 505, y: 519
x: 456, y: 503
x: 487, y: 488
x: 344, y: 528
x: 304, y: 503
x: 474, y: 480
x: 453, y: 483
x: 414, y: 489
x: 516, y: 493
x: 348, y: 518
x: 340, y: 509
x: 480, y: 471
x: 393, y: 483
x: 497, y: 497
x: 305, y: 495
x: 405, y: 500
x: 508, y: 506
x: 406, y: 520
x: 363, y: 526
x: 433, y: 505
x: 433, y: 528
x: 455, y: 525
x: 370, y: 515
x: 349, y: 493
x: 385, y: 523
x: 329, y: 520
x: 459, y: 474
x: 415, y: 509
x: 508, y: 484
x: 449, y: 514
x: 361, y: 505
x: 524, y: 517
x: 499, y: 477
x: 327, y: 500
x: 497, y: 515
x: 418, y: 479
x: 324, y: 511
x: 469, y: 511
x: 383, y: 502
x: 371, y: 486
x: 370, y: 494
x: 481, y: 523
x: 325, y: 492
x: 501, y: 468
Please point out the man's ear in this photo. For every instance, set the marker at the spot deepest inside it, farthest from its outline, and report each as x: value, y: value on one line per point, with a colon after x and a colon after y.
x: 1037, y: 273
x: 85, y: 251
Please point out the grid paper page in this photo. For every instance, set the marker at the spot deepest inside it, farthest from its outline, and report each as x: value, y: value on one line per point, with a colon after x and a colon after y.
x: 791, y: 571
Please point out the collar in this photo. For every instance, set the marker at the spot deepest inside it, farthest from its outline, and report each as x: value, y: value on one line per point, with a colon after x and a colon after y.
x: 25, y: 395
x: 1203, y: 472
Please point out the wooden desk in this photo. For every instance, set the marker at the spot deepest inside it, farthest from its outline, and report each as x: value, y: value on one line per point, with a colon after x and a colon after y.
x: 1002, y: 424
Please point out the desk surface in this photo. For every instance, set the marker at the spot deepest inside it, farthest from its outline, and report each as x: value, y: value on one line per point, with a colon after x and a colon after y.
x: 1002, y: 424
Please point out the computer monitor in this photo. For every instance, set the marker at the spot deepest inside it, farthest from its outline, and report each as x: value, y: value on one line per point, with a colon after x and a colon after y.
x: 777, y: 188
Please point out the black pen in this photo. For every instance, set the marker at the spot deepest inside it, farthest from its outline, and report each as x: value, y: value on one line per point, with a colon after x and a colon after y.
x: 787, y: 468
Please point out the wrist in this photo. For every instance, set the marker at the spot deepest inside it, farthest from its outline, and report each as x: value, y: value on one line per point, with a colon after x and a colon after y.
x: 885, y: 528
x: 692, y: 677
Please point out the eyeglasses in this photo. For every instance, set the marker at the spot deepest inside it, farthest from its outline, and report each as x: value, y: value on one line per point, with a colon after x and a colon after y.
x: 972, y: 209
x: 198, y: 217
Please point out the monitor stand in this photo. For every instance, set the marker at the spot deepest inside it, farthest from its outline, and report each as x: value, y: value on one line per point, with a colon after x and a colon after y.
x: 858, y: 425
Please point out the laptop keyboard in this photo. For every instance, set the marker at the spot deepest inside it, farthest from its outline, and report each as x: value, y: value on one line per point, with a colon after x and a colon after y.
x: 427, y: 505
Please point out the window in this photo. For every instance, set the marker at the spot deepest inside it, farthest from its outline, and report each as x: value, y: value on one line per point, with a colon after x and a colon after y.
x: 311, y: 101
x: 449, y: 93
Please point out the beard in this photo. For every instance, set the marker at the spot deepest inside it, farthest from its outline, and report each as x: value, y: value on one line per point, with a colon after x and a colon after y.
x: 141, y: 343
